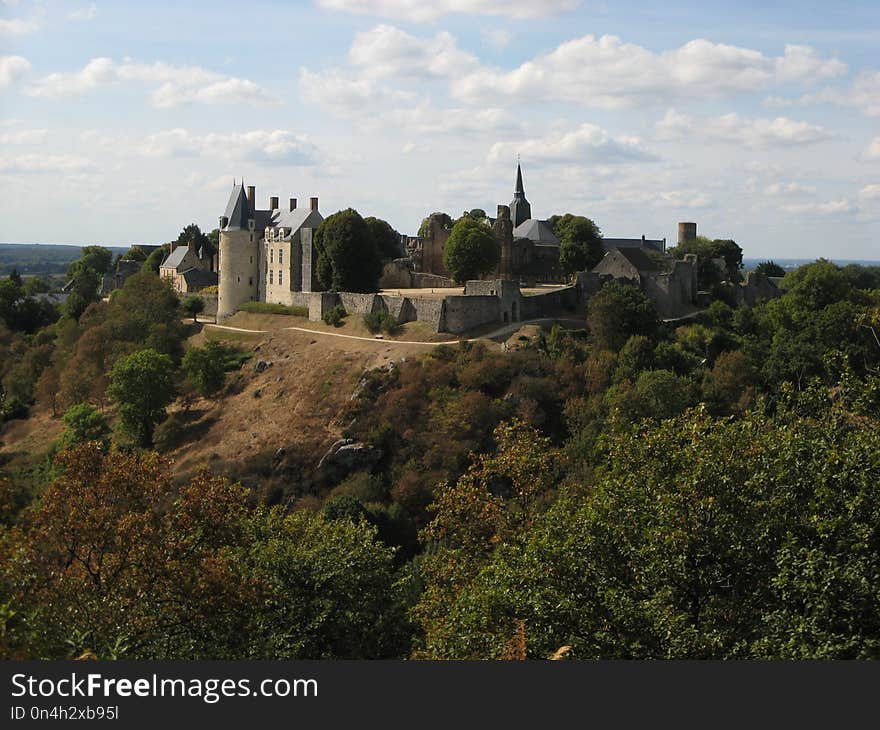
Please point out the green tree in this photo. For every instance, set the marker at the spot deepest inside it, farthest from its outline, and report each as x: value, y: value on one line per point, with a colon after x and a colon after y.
x: 92, y: 258
x: 769, y: 268
x: 472, y: 250
x: 444, y: 219
x: 347, y: 258
x: 141, y: 385
x: 192, y: 234
x: 155, y: 259
x: 193, y: 305
x: 707, y: 250
x: 83, y: 422
x: 580, y: 247
x: 477, y: 214
x: 617, y: 312
x: 385, y: 238
x: 206, y: 367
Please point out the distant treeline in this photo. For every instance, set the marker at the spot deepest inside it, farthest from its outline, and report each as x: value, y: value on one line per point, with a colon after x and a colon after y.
x: 40, y: 258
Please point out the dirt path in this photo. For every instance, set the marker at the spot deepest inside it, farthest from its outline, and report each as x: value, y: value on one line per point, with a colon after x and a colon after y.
x: 501, y: 332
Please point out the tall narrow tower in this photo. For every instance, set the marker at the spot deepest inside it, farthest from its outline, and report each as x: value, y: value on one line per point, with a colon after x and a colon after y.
x: 520, y: 210
x: 239, y: 257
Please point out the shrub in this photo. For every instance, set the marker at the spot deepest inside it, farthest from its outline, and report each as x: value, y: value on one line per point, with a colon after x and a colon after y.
x: 335, y: 316
x: 381, y: 322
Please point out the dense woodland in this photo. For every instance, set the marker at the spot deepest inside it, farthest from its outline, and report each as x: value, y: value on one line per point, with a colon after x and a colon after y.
x: 702, y: 489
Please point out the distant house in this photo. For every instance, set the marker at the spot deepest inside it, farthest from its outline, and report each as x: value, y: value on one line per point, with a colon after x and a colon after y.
x: 187, y: 271
x: 116, y: 279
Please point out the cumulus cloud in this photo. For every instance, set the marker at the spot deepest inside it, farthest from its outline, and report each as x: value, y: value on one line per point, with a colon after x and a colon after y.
x: 863, y: 94
x: 343, y: 94
x: 419, y: 11
x: 389, y: 51
x: 24, y: 136
x: 606, y: 72
x: 788, y: 189
x: 67, y: 164
x: 873, y: 152
x: 870, y: 192
x: 173, y: 85
x: 497, y: 37
x: 269, y: 147
x: 88, y: 13
x: 18, y: 26
x: 12, y: 68
x: 732, y: 128
x: 587, y: 143
x: 829, y: 208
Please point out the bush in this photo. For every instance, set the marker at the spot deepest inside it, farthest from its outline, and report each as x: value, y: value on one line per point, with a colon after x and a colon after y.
x: 335, y: 316
x: 205, y: 367
x: 381, y: 322
x: 268, y: 308
x: 169, y: 434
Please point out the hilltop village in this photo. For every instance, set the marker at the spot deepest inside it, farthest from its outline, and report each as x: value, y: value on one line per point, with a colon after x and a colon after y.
x: 268, y: 255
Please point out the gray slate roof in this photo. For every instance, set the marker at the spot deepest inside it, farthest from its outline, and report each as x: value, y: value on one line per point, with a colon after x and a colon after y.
x: 198, y: 279
x: 175, y: 258
x: 537, y: 231
x: 641, y: 259
x: 609, y: 244
x: 238, y: 209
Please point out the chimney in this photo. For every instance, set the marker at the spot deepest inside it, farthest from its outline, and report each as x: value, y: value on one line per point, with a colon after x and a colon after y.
x: 252, y: 197
x: 293, y: 204
x: 643, y: 239
x: 173, y: 246
x: 273, y: 202
x: 314, y: 203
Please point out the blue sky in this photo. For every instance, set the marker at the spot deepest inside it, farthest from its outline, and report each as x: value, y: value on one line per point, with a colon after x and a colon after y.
x: 122, y: 122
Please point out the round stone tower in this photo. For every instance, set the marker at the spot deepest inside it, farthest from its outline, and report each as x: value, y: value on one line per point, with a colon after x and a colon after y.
x: 686, y: 232
x: 239, y: 254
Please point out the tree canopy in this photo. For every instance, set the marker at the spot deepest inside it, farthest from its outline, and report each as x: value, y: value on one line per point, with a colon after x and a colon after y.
x: 444, y: 219
x: 472, y: 250
x: 347, y: 257
x: 142, y: 387
x: 385, y: 238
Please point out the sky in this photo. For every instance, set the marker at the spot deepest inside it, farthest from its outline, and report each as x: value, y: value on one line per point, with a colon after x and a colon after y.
x: 121, y: 122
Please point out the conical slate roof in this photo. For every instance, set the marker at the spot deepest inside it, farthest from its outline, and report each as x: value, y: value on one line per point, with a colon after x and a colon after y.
x: 238, y: 210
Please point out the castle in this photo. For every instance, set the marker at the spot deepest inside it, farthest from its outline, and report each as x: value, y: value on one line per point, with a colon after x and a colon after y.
x: 265, y: 254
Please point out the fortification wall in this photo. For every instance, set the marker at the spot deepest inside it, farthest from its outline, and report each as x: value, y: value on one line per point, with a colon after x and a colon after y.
x: 427, y: 310
x: 398, y: 307
x: 396, y: 274
x: 550, y: 303
x: 355, y: 303
x: 320, y: 303
x: 210, y: 301
x: 462, y: 313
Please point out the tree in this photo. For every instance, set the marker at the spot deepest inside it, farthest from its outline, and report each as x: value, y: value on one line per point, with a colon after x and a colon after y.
x: 83, y: 422
x: 385, y: 238
x: 155, y: 259
x: 580, y: 246
x: 192, y: 235
x: 444, y: 219
x: 617, y: 312
x: 769, y: 268
x: 707, y: 250
x: 206, y: 367
x: 92, y: 258
x: 471, y: 252
x: 135, y: 253
x: 477, y: 214
x: 347, y: 258
x: 193, y: 305
x: 141, y: 386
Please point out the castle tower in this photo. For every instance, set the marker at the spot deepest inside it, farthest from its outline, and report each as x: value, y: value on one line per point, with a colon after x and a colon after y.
x: 686, y: 232
x: 503, y: 230
x: 239, y: 254
x: 520, y: 210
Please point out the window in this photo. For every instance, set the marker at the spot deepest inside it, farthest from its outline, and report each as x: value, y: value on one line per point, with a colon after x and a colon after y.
x: 280, y: 255
x: 279, y: 277
x: 271, y: 255
x: 252, y: 259
x: 270, y: 275
x: 250, y: 281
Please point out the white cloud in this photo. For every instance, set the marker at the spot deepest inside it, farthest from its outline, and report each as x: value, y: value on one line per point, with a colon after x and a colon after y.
x: 46, y: 163
x: 12, y: 68
x: 587, y: 143
x: 269, y: 147
x: 497, y: 37
x: 607, y: 73
x: 789, y: 189
x: 342, y: 94
x: 419, y: 11
x: 25, y: 136
x: 88, y: 13
x: 732, y: 128
x: 870, y: 192
x: 175, y: 85
x: 830, y: 208
x: 388, y: 51
x: 863, y: 94
x: 873, y: 152
x: 17, y: 26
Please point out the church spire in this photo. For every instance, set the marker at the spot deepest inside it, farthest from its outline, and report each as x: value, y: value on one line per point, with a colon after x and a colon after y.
x: 518, y: 190
x: 520, y: 210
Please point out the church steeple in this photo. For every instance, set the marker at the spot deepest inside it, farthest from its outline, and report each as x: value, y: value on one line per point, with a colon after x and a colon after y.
x: 520, y: 210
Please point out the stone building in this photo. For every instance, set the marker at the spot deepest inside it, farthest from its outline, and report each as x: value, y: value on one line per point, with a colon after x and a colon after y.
x: 187, y: 270
x: 265, y: 254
